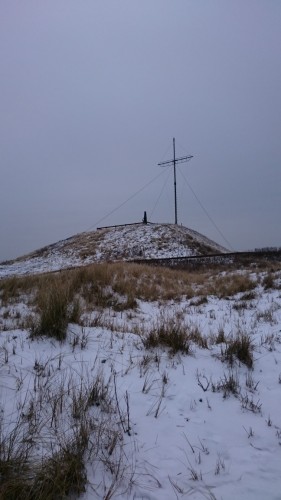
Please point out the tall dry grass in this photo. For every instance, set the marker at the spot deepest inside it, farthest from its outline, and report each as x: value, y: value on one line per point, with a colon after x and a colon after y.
x: 102, y: 284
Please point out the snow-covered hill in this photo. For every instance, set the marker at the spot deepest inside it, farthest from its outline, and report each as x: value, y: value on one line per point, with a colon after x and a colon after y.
x: 115, y: 243
x: 110, y: 412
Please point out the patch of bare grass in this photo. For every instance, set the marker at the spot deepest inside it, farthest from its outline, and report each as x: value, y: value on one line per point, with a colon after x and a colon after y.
x: 12, y: 288
x: 100, y: 284
x: 231, y: 284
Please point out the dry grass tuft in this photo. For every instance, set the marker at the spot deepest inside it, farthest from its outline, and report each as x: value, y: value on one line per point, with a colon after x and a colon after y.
x: 62, y: 474
x: 168, y: 332
x: 53, y: 312
x: 268, y: 281
x: 240, y: 348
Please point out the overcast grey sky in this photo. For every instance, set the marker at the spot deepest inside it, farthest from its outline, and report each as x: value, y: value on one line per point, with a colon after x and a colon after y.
x: 92, y: 93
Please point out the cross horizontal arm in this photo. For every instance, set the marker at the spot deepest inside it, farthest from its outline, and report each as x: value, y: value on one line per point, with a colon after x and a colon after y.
x: 177, y: 160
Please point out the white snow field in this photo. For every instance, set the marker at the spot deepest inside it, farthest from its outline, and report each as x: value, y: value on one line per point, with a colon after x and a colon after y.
x: 161, y: 425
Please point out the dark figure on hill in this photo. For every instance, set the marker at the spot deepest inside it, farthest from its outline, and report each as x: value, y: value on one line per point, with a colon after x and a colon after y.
x: 144, y: 220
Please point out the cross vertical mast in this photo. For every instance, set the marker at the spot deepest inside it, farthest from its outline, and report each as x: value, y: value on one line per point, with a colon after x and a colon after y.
x: 174, y: 163
x: 175, y: 182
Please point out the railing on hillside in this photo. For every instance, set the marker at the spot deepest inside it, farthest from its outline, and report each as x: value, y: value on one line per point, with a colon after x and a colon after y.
x: 214, y: 259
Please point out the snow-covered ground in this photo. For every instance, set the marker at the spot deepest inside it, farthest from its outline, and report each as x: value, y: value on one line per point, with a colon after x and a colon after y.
x: 118, y: 243
x: 184, y: 434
